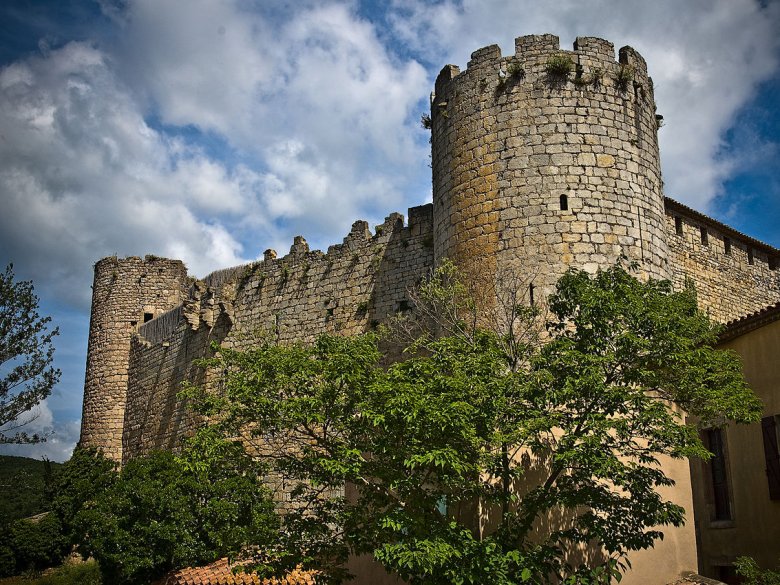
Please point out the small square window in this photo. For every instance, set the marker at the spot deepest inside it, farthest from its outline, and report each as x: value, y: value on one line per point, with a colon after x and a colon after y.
x: 148, y: 317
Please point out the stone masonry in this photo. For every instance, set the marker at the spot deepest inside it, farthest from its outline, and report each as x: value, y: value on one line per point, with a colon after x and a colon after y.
x: 531, y: 169
x: 536, y: 169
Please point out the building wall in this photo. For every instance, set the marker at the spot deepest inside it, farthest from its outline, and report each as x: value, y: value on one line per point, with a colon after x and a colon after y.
x: 734, y: 274
x: 510, y: 139
x: 124, y: 293
x: 755, y: 527
x: 349, y: 290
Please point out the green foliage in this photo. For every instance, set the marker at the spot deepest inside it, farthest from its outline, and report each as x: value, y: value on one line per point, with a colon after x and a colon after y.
x: 26, y: 354
x: 86, y: 573
x: 485, y: 456
x: 515, y: 70
x: 624, y: 77
x: 22, y: 483
x: 80, y: 482
x: 752, y: 574
x: 164, y: 512
x: 37, y: 544
x: 559, y: 66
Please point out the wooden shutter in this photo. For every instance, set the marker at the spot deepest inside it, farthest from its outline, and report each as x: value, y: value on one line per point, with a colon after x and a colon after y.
x: 772, y: 454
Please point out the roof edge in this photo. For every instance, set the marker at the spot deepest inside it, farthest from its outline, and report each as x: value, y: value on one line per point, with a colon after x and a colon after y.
x: 672, y: 204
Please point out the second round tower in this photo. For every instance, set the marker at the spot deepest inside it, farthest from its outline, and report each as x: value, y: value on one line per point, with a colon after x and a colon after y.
x: 547, y: 160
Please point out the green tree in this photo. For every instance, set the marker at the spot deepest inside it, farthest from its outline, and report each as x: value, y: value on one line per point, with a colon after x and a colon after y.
x: 484, y: 456
x: 164, y: 512
x: 752, y: 574
x: 26, y: 354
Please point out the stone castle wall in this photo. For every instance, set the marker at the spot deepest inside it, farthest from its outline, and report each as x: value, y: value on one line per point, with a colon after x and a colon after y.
x: 510, y: 142
x: 734, y: 274
x: 125, y: 293
x: 544, y: 170
x: 350, y: 289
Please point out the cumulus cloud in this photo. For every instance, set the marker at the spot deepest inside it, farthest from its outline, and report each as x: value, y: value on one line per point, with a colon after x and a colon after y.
x: 82, y: 175
x: 59, y: 443
x: 706, y: 59
x: 325, y: 110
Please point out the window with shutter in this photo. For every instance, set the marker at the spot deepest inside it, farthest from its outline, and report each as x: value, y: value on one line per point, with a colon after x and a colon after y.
x: 772, y: 455
x: 718, y: 471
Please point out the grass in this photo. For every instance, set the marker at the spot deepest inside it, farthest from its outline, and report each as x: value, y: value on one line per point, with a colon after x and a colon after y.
x: 69, y: 574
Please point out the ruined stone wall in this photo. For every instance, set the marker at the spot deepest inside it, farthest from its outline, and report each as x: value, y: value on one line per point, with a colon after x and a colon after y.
x: 734, y: 274
x: 125, y: 293
x: 350, y: 289
x: 512, y: 141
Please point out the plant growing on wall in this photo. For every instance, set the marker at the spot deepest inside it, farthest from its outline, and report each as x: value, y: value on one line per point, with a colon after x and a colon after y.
x: 624, y: 77
x: 485, y: 456
x: 559, y: 66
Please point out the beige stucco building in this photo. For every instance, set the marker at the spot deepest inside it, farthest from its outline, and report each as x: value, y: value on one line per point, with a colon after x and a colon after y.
x: 737, y: 493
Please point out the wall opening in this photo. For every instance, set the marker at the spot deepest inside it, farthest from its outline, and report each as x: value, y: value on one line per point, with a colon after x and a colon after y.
x: 772, y: 263
x: 718, y: 475
x: 704, y: 237
x: 148, y: 317
x: 531, y: 294
x: 564, y: 203
x: 727, y: 246
x: 750, y: 256
x: 678, y: 225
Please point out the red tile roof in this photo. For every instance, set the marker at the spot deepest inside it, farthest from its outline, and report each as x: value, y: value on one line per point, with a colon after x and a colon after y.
x: 221, y: 573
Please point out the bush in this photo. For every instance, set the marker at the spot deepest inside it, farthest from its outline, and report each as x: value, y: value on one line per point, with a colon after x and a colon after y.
x: 559, y: 66
x: 37, y: 545
x: 165, y: 513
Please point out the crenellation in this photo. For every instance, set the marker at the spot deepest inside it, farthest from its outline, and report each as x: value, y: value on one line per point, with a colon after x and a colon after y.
x: 533, y: 171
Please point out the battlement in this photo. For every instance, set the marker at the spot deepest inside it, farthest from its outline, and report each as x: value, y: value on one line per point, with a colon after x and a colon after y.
x: 593, y: 65
x: 216, y: 293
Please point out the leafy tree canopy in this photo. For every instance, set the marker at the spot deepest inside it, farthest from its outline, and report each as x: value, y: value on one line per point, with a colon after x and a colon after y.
x: 26, y: 354
x: 485, y: 455
x: 164, y: 512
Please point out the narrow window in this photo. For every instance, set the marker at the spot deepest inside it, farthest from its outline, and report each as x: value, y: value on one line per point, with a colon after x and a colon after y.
x: 750, y: 256
x: 772, y: 263
x: 678, y: 225
x: 727, y: 246
x: 720, y: 488
x: 564, y: 203
x: 769, y: 429
x: 148, y: 317
x: 531, y: 294
x: 703, y: 236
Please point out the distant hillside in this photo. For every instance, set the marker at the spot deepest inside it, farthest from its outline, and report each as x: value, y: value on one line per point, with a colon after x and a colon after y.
x: 21, y: 485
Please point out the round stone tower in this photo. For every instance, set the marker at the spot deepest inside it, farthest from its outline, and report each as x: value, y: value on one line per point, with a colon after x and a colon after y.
x: 547, y: 160
x: 126, y: 292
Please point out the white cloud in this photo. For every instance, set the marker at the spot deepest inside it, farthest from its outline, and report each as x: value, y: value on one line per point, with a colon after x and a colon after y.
x: 61, y: 436
x: 706, y: 58
x: 311, y: 95
x: 82, y: 176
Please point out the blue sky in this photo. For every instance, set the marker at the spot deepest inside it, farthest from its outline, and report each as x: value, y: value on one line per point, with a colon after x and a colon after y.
x: 211, y: 130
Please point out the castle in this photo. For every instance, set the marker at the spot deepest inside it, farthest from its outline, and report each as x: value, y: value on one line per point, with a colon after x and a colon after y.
x: 542, y: 160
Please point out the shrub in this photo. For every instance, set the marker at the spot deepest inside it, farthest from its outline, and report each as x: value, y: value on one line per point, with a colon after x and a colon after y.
x: 37, y: 545
x: 559, y: 65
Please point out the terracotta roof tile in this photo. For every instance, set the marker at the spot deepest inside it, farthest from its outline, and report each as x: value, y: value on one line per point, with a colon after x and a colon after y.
x: 221, y: 573
x: 749, y: 322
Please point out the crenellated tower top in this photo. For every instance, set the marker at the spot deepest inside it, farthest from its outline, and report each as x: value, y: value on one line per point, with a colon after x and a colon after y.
x: 547, y: 159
